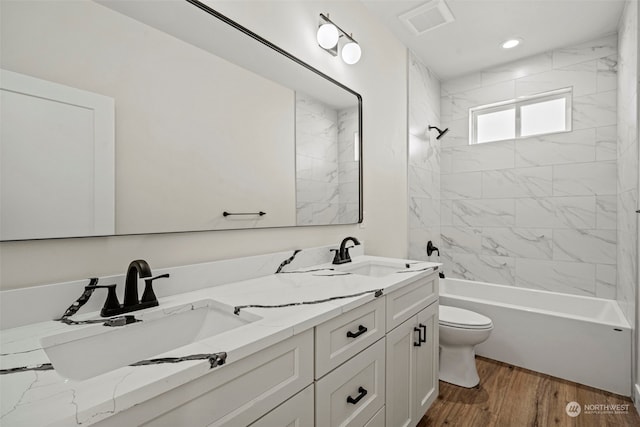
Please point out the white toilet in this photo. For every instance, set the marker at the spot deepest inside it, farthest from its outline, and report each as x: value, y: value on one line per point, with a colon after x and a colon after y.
x: 460, y: 331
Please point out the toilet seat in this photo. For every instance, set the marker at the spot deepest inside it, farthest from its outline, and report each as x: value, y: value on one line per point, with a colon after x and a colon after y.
x: 455, y: 317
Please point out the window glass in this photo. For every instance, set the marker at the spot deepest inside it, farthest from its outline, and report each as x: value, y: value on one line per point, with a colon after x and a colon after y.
x: 543, y: 117
x: 496, y: 126
x: 539, y: 114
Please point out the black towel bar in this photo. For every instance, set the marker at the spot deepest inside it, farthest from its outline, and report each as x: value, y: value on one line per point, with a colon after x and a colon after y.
x: 225, y: 213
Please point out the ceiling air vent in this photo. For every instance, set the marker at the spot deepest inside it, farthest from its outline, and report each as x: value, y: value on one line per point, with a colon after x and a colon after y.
x: 427, y: 17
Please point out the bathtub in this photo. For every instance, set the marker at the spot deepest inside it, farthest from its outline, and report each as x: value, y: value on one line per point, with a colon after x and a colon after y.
x: 581, y: 339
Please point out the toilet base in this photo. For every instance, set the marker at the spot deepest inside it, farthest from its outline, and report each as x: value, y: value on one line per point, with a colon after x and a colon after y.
x: 458, y: 366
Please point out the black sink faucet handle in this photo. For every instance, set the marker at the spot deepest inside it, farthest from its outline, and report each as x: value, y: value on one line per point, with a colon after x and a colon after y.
x: 112, y: 299
x: 148, y: 295
x: 336, y: 256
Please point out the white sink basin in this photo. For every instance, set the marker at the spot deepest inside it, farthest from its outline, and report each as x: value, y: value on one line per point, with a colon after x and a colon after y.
x: 372, y: 268
x: 89, y: 350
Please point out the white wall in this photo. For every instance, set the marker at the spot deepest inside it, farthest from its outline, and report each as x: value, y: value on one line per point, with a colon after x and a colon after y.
x: 537, y: 212
x: 380, y: 77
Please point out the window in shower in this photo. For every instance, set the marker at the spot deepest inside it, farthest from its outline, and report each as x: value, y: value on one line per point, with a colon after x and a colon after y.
x: 540, y: 114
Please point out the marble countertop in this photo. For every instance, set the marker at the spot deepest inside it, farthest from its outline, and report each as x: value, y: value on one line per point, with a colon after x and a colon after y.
x: 42, y: 397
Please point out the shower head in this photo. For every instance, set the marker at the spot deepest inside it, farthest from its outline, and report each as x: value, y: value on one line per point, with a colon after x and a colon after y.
x: 440, y: 132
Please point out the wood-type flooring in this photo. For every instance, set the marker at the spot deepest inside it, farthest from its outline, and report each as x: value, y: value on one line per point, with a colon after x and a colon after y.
x: 509, y: 396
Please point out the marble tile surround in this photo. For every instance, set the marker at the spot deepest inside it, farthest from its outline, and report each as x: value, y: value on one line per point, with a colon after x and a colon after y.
x: 326, y: 171
x: 627, y: 158
x: 539, y: 212
x: 424, y: 178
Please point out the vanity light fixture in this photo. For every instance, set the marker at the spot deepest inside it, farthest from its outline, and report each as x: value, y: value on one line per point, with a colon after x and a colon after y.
x: 511, y: 43
x: 328, y: 37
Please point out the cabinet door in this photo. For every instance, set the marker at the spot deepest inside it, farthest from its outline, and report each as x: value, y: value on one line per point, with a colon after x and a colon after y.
x: 401, y: 355
x: 295, y: 412
x: 426, y: 371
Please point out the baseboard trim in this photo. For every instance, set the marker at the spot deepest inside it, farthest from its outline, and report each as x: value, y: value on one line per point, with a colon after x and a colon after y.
x: 636, y: 397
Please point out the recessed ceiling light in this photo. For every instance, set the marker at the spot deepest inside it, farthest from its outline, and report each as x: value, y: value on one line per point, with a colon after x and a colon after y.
x: 511, y: 43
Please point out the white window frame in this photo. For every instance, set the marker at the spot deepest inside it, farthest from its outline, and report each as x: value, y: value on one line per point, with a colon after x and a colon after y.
x: 474, y: 112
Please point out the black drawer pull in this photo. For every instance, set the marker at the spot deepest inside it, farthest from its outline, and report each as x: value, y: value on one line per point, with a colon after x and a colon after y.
x: 363, y: 393
x: 424, y: 331
x: 361, y: 330
x: 419, y: 331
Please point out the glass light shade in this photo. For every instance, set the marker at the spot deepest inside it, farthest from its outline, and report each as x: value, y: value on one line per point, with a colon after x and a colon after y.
x: 327, y: 36
x: 351, y: 53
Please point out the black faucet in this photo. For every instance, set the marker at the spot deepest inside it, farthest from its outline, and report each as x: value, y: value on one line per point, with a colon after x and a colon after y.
x: 137, y: 268
x: 342, y: 255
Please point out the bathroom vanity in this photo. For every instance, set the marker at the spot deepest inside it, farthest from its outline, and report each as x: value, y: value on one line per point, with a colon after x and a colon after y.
x: 324, y: 345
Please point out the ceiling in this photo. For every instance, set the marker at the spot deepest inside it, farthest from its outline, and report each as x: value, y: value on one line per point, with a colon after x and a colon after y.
x: 472, y: 41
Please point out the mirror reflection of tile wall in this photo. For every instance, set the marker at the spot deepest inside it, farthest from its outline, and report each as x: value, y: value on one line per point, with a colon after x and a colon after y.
x: 326, y: 162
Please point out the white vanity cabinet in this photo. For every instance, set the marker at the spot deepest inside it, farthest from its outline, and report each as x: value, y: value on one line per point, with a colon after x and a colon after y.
x: 372, y: 366
x: 392, y: 377
x: 236, y: 395
x: 412, y: 368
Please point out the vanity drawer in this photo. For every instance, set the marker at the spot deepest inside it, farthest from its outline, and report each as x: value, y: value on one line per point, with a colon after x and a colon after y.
x: 377, y: 420
x: 354, y: 392
x: 406, y: 302
x: 297, y: 411
x: 235, y: 394
x: 343, y: 337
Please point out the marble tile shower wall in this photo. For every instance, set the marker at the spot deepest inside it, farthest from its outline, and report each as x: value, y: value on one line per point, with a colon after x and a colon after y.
x: 424, y: 159
x: 538, y: 212
x: 348, y: 166
x: 317, y: 193
x: 326, y: 170
x: 627, y: 149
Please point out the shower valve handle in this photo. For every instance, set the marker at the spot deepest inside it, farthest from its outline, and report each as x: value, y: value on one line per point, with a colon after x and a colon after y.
x: 431, y: 248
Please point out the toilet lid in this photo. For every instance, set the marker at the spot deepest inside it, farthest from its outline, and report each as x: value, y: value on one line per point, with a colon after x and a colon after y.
x: 461, y: 318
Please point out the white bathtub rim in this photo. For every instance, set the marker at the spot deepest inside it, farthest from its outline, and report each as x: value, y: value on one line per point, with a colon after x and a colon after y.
x: 624, y: 324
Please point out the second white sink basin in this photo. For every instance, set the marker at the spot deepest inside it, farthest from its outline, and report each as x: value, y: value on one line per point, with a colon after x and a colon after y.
x: 372, y: 268
x: 86, y: 351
